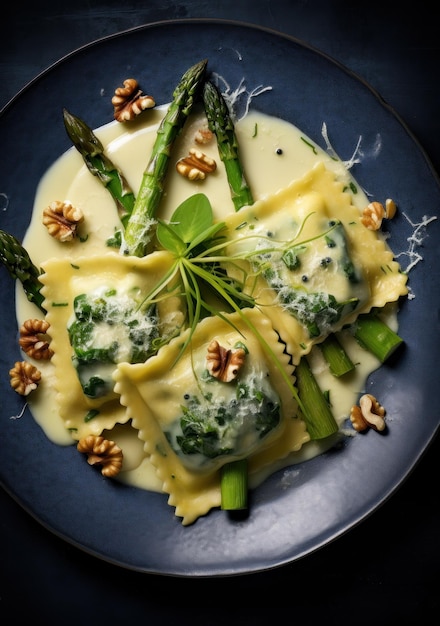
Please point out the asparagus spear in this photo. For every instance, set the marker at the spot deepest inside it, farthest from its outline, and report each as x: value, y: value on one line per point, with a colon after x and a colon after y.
x: 376, y: 336
x: 92, y: 152
x: 19, y: 265
x: 317, y: 414
x: 221, y: 124
x: 141, y: 221
x: 338, y: 360
x: 234, y: 476
x: 234, y: 486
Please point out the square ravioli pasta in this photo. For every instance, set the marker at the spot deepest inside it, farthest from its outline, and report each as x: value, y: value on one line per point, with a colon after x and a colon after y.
x: 194, y: 417
x: 95, y: 310
x: 310, y: 263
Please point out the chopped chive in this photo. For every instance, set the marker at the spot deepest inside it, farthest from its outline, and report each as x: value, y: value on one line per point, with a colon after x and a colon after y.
x: 243, y: 346
x: 310, y: 145
x: 91, y: 414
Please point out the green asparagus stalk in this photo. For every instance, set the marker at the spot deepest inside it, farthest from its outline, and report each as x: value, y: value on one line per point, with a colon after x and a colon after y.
x: 139, y: 226
x: 234, y: 476
x: 376, y: 336
x: 337, y: 359
x: 234, y: 485
x: 19, y: 265
x: 222, y: 125
x: 317, y: 414
x: 98, y: 163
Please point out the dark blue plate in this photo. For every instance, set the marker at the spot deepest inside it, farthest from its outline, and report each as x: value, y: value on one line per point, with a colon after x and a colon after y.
x: 294, y: 512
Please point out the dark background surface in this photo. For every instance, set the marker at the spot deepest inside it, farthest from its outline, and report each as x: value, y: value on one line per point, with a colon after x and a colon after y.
x: 386, y: 570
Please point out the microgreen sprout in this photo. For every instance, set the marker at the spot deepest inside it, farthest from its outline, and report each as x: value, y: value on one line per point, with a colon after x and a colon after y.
x: 199, y: 275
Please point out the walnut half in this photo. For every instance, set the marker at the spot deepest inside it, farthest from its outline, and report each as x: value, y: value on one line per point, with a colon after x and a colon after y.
x: 375, y: 212
x: 62, y: 219
x: 103, y: 452
x: 222, y: 363
x: 203, y: 135
x: 34, y: 340
x: 373, y: 215
x: 24, y: 377
x: 129, y: 101
x: 196, y: 165
x: 369, y: 414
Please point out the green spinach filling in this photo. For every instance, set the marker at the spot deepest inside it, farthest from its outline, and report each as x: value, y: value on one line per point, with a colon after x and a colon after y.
x: 289, y: 271
x: 110, y: 327
x: 216, y: 425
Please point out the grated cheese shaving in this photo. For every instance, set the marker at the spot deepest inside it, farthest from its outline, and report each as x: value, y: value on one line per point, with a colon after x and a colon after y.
x: 358, y: 153
x: 233, y: 97
x: 415, y: 240
x: 17, y: 417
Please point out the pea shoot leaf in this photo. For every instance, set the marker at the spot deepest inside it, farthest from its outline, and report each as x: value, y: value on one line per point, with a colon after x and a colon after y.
x: 192, y: 216
x: 169, y: 239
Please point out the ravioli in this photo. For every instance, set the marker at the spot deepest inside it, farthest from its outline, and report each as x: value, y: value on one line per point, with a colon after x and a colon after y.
x: 179, y: 409
x: 300, y: 251
x: 311, y: 265
x: 64, y: 280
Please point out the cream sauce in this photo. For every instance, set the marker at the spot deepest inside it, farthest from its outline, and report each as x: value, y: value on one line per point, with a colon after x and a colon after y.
x: 274, y: 153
